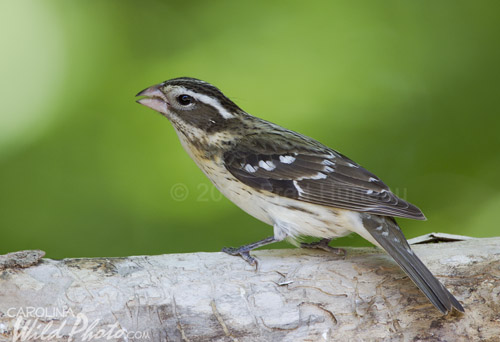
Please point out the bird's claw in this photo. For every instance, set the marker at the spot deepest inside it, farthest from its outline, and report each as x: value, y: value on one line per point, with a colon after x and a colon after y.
x: 245, y: 254
x: 323, y: 244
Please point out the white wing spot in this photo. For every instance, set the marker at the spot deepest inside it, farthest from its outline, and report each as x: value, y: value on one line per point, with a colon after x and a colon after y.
x: 396, y: 240
x: 369, y: 192
x: 328, y: 169
x: 287, y: 159
x: 378, y: 228
x: 328, y: 162
x: 250, y: 168
x: 351, y: 165
x: 319, y: 175
x: 267, y: 165
x: 371, y: 179
x: 385, y: 233
x: 299, y: 189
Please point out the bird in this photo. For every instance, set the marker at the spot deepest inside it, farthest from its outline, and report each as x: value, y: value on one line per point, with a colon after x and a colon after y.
x: 288, y: 180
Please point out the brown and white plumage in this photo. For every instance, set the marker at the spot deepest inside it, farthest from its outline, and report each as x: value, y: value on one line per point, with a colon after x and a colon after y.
x: 291, y: 165
x: 288, y: 180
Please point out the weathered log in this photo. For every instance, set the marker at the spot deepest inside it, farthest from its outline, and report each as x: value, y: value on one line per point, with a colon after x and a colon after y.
x: 295, y: 295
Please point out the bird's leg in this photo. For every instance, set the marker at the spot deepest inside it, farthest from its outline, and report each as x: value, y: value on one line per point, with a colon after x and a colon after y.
x: 323, y: 244
x: 243, y: 251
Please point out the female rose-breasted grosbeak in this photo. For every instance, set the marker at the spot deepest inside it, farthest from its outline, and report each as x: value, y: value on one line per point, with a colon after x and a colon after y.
x: 288, y: 180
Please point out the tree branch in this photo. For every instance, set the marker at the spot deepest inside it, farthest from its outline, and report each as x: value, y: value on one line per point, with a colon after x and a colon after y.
x: 295, y: 295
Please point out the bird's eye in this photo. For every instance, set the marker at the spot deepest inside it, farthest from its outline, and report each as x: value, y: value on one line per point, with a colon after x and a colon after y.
x: 185, y: 100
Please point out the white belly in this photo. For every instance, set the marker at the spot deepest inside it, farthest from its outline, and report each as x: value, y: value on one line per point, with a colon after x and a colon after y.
x: 290, y: 218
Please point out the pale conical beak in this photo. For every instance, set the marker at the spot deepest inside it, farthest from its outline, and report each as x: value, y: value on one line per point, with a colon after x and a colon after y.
x: 154, y: 99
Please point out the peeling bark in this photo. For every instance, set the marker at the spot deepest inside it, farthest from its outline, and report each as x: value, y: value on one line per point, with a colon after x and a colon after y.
x: 295, y: 295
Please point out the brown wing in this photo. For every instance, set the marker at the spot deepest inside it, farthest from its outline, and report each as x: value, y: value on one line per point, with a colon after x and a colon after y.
x: 292, y: 165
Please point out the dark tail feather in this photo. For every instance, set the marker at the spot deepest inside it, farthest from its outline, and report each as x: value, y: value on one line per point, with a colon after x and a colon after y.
x: 387, y: 233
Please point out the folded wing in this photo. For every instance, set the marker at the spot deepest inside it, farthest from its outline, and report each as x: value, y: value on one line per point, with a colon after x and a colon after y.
x: 308, y: 171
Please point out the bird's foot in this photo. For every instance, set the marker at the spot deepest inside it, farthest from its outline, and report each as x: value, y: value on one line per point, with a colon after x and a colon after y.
x: 323, y: 244
x: 244, y: 253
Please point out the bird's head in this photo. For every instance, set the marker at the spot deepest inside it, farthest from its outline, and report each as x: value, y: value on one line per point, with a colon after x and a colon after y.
x: 191, y: 103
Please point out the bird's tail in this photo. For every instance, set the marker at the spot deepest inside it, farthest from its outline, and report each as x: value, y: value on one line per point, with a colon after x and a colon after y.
x: 389, y: 236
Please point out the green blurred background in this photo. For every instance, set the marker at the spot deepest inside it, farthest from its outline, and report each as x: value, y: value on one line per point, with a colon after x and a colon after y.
x: 408, y: 89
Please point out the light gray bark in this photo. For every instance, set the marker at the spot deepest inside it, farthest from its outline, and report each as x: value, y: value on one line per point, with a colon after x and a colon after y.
x: 295, y: 295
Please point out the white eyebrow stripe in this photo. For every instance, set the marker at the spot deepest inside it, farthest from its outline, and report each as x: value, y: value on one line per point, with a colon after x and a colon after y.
x: 209, y: 101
